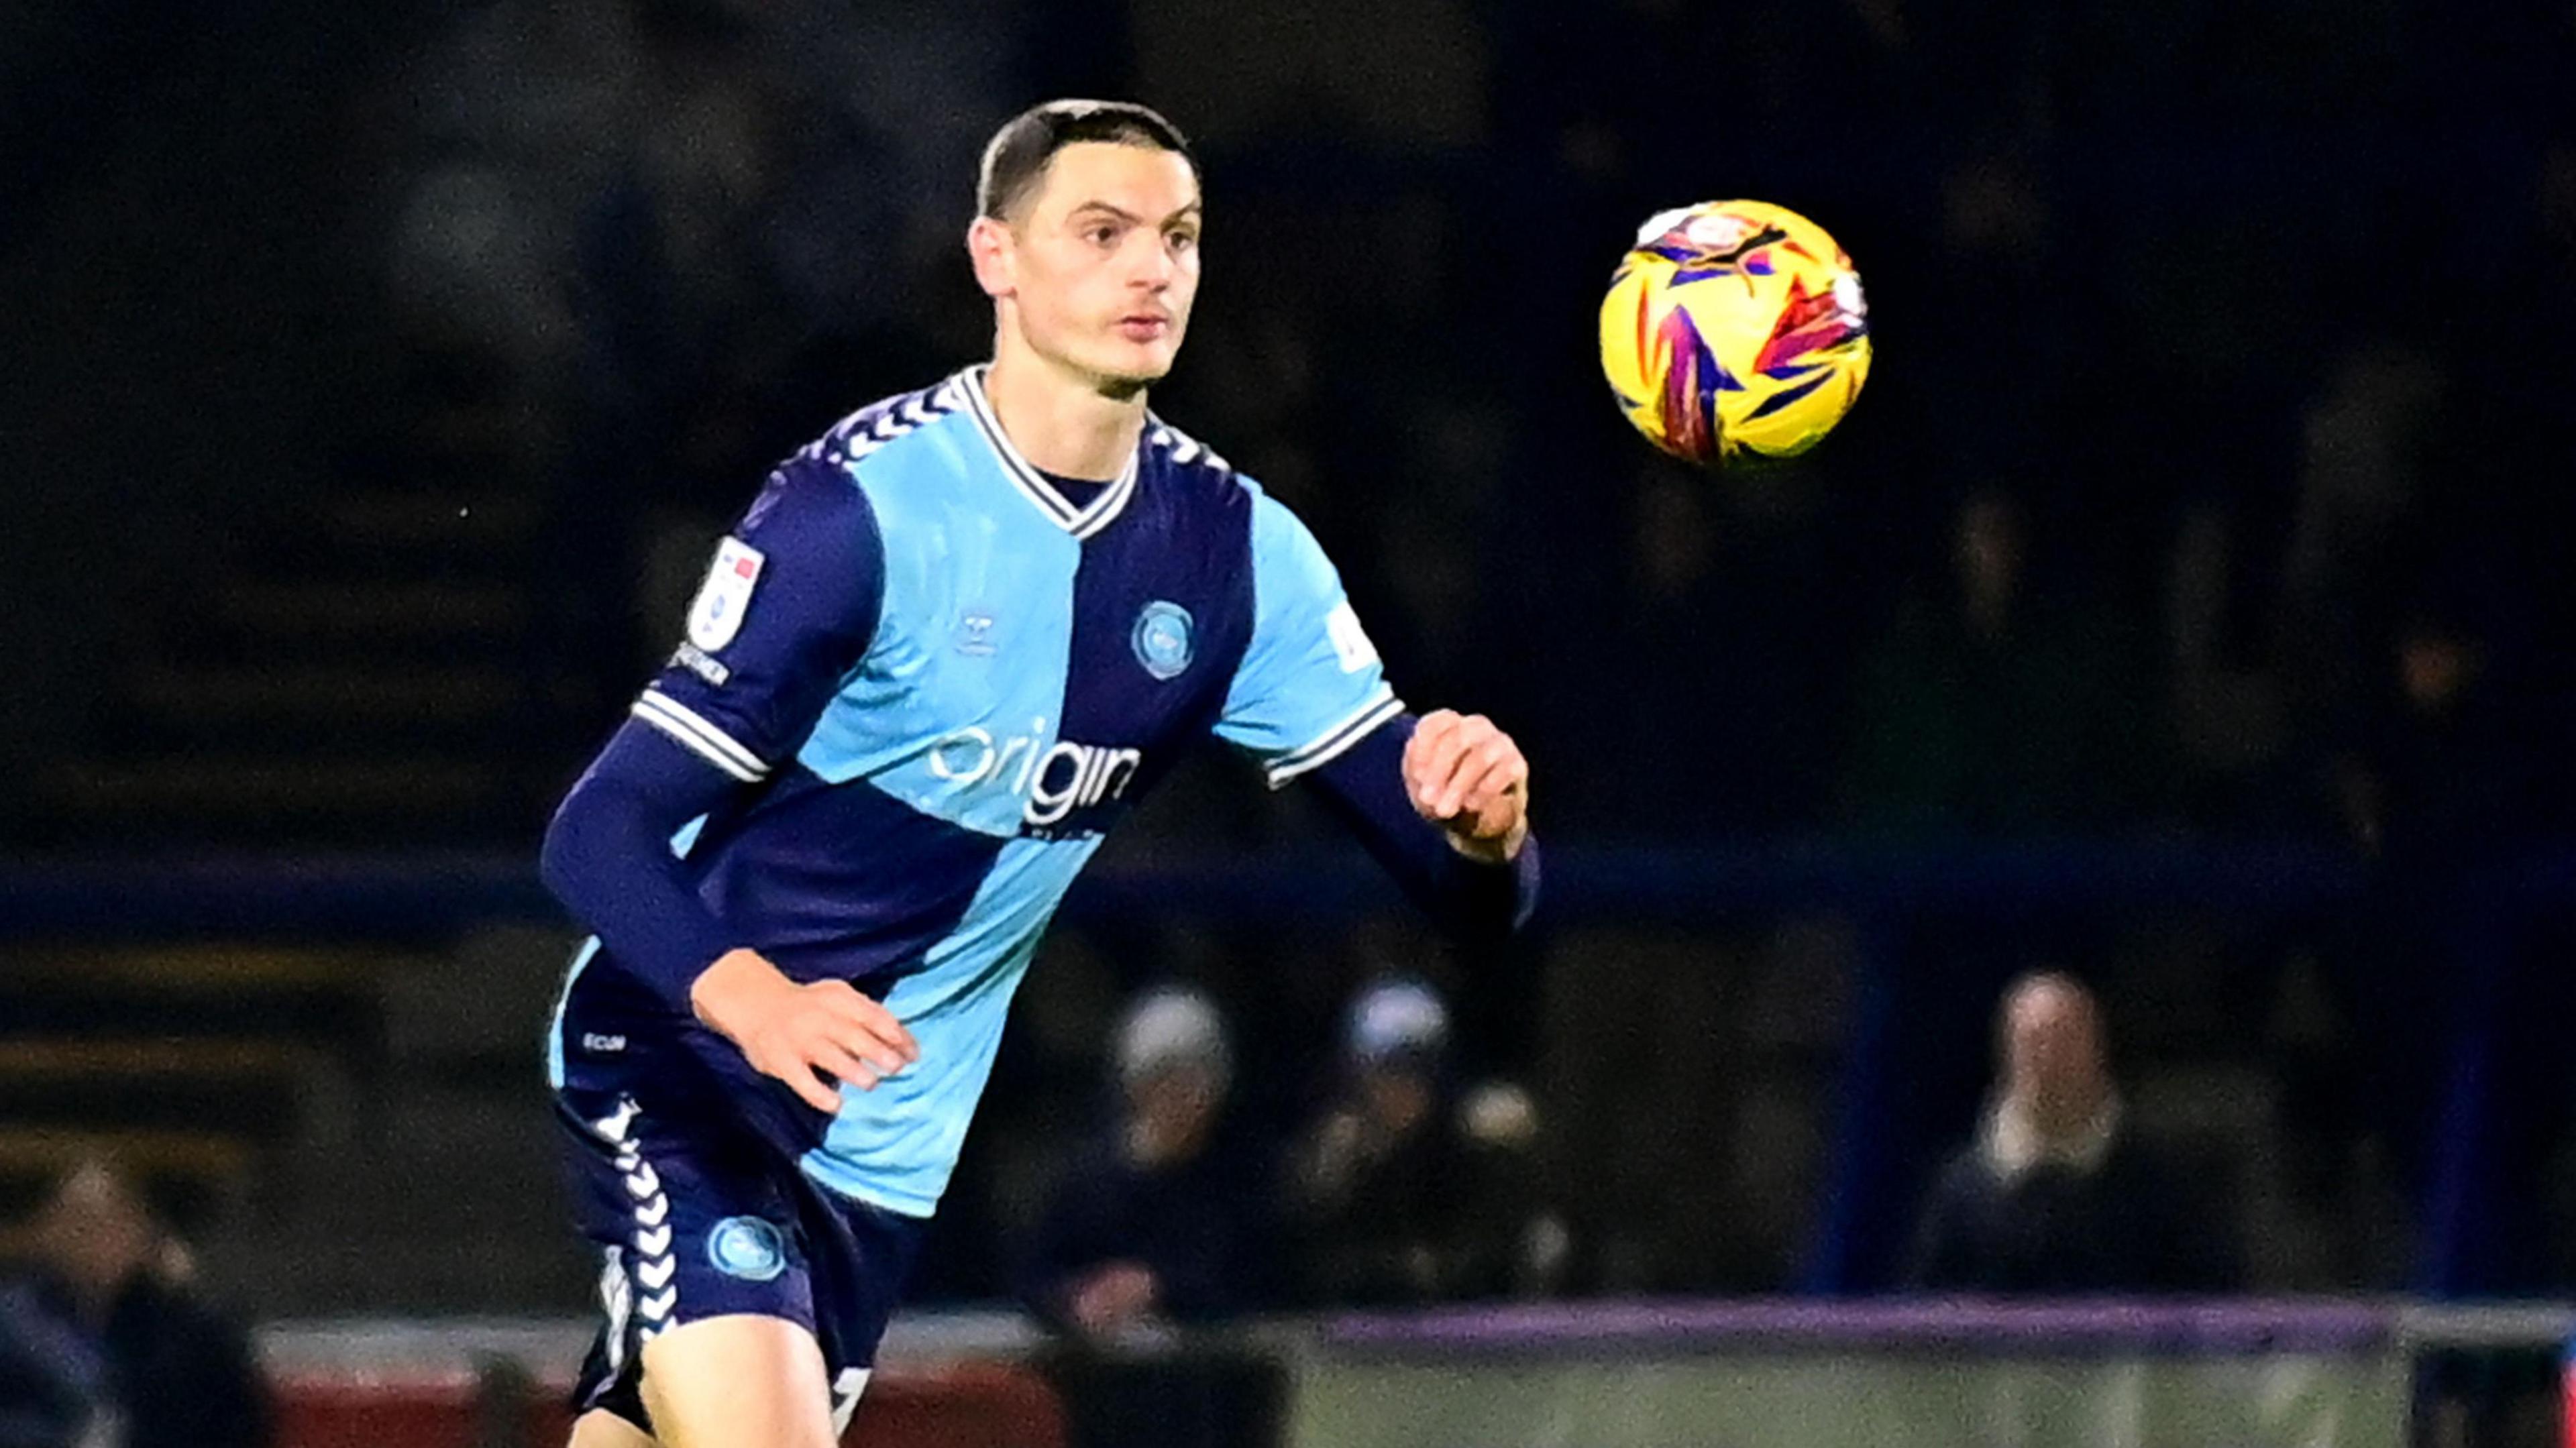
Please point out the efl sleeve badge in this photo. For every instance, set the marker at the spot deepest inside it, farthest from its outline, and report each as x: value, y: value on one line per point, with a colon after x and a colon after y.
x: 716, y: 616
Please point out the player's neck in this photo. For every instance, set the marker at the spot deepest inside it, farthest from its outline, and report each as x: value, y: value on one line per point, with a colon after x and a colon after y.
x: 1059, y: 424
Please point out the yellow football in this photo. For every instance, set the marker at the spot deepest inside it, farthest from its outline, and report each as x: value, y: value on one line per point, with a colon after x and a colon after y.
x: 1734, y: 329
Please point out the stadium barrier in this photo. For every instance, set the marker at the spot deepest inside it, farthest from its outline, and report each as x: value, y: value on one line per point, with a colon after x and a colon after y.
x: 1927, y: 1374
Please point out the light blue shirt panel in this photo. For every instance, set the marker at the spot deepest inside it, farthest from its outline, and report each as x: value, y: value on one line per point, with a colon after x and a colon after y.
x: 1306, y: 674
x: 563, y: 998
x: 965, y: 681
x: 895, y: 1146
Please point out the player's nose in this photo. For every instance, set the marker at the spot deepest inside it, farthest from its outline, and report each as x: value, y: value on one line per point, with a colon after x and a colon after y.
x: 1156, y: 269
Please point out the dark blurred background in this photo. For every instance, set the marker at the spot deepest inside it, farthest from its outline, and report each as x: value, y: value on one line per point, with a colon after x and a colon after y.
x: 2182, y: 607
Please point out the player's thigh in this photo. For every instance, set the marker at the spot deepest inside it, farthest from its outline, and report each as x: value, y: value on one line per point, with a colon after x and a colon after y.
x: 696, y: 1224
x: 744, y: 1381
x: 602, y: 1429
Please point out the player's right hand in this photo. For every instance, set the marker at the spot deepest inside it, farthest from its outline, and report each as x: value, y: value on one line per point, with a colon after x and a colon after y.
x: 801, y: 1034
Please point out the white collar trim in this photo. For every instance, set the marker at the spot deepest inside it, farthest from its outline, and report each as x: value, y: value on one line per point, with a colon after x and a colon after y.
x: 1032, y: 484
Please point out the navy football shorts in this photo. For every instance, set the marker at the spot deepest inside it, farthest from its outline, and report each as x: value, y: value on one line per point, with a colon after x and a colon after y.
x: 694, y: 1222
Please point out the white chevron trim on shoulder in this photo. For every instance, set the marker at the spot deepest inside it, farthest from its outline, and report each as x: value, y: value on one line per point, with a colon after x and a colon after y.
x: 1187, y: 450
x: 879, y: 423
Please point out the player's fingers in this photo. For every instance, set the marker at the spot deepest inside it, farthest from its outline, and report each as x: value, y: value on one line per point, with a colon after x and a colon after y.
x: 881, y: 1023
x: 871, y: 1016
x: 1483, y: 784
x: 882, y: 1057
x: 1476, y: 737
x: 1495, y: 801
x: 1492, y: 772
x: 1497, y: 793
x: 1423, y: 754
x: 850, y: 1068
x: 817, y: 1093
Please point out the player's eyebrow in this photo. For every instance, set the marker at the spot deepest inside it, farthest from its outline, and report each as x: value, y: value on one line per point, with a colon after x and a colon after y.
x: 1131, y: 218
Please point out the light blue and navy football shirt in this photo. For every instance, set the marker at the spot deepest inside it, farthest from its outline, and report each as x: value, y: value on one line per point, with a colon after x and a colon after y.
x: 942, y: 680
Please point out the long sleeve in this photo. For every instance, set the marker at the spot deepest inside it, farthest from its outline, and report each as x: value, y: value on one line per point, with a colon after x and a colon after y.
x: 788, y: 610
x: 1363, y: 786
x: 608, y: 858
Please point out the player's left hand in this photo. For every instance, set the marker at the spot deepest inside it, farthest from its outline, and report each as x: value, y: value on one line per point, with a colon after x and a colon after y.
x: 1469, y: 778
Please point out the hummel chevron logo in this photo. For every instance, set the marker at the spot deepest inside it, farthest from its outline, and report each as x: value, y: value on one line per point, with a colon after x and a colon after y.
x: 642, y: 1181
x: 655, y: 1243
x: 655, y: 1273
x: 658, y: 1306
x: 651, y: 1213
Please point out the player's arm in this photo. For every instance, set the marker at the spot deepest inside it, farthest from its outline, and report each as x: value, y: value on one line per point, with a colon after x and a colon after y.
x: 788, y: 608
x: 1441, y: 801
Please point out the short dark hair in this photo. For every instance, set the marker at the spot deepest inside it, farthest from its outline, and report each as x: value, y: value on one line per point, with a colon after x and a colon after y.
x: 1016, y: 158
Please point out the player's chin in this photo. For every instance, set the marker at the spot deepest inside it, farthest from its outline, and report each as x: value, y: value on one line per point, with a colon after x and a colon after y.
x: 1140, y: 364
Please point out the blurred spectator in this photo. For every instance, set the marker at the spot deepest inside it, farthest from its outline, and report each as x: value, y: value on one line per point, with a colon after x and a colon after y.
x: 1158, y: 1225
x: 1984, y: 712
x: 2231, y: 720
x: 2367, y: 438
x: 180, y: 1374
x: 2056, y: 1195
x: 2458, y: 757
x: 2455, y: 768
x: 1402, y: 1193
x: 50, y: 1383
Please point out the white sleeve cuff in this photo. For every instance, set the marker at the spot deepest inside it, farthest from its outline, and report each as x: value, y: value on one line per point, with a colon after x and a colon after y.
x: 702, y: 738
x: 1334, y: 742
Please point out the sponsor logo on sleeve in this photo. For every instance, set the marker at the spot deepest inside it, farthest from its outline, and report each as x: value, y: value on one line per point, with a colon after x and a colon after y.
x: 701, y: 663
x: 1350, y: 642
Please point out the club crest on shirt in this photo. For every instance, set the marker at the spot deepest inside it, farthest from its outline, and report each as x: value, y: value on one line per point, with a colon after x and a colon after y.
x: 1162, y: 639
x: 716, y: 616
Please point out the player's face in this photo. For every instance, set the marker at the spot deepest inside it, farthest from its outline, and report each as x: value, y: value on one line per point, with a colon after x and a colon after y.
x: 1104, y: 264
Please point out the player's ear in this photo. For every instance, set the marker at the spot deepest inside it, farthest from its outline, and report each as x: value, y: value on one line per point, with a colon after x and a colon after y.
x: 988, y: 244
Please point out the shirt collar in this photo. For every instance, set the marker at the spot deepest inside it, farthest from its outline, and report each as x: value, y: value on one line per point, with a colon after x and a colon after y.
x: 1081, y: 522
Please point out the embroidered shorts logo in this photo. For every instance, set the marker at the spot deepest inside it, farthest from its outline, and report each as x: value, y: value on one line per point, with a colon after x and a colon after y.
x: 1162, y: 639
x: 748, y: 1248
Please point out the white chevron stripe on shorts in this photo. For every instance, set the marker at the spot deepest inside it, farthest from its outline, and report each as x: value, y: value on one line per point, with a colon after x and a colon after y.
x: 616, y: 1299
x: 646, y: 1286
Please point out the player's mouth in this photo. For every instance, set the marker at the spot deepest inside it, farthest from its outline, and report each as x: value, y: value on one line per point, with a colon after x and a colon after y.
x: 1145, y: 327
